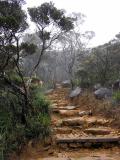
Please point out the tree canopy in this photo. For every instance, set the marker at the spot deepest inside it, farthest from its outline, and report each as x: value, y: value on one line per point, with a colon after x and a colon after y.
x: 51, y: 23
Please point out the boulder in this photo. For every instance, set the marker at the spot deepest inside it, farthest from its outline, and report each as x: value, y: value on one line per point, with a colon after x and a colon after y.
x: 97, y: 86
x: 75, y: 93
x: 103, y: 93
x: 66, y: 84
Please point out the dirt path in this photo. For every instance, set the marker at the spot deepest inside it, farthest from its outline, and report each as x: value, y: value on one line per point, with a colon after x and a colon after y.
x: 78, y: 134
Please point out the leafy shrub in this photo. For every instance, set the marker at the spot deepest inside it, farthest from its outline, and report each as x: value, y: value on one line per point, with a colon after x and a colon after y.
x: 76, y: 82
x: 39, y: 121
x: 15, y: 78
x: 38, y: 126
x: 116, y: 96
x: 13, y: 133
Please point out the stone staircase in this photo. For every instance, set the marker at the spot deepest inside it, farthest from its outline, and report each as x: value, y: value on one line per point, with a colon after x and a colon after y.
x: 76, y: 128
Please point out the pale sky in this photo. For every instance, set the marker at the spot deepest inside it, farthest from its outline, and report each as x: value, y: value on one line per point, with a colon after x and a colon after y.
x: 103, y: 16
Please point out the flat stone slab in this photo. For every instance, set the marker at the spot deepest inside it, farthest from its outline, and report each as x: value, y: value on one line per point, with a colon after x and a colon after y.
x: 89, y: 139
x: 52, y: 158
x: 70, y: 107
x: 69, y: 112
x: 73, y: 122
x: 83, y: 121
x: 56, y: 108
x: 98, y: 131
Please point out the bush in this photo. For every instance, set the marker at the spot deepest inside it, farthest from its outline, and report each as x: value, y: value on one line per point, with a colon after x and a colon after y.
x: 39, y: 120
x: 13, y: 133
x: 15, y: 78
x: 116, y: 96
x: 38, y: 126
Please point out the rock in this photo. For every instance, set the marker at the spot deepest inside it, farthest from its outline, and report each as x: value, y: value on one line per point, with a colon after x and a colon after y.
x: 96, y: 121
x: 57, y: 85
x: 56, y: 109
x: 83, y: 113
x: 110, y: 139
x: 70, y: 107
x: 103, y: 93
x: 66, y: 83
x: 69, y: 112
x: 98, y: 131
x: 97, y: 86
x: 74, y: 122
x: 49, y: 91
x: 47, y: 148
x: 54, y: 105
x: 75, y: 93
x: 58, y: 158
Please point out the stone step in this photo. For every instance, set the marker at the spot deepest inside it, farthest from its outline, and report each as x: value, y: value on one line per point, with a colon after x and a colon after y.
x: 84, y: 121
x: 75, y: 112
x: 55, y: 108
x: 89, y: 139
x: 88, y: 142
x: 67, y: 113
x: 98, y: 131
x: 56, y: 158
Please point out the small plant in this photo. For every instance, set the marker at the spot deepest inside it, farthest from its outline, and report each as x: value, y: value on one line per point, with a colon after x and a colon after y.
x: 14, y: 77
x: 39, y: 120
x: 116, y: 96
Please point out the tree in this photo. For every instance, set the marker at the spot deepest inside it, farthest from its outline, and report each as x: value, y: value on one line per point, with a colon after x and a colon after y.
x: 12, y: 24
x: 73, y: 44
x: 51, y: 23
x: 103, y: 62
x: 12, y: 96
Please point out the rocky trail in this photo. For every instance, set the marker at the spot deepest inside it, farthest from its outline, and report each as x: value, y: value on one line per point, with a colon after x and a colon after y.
x: 77, y: 133
x: 76, y: 128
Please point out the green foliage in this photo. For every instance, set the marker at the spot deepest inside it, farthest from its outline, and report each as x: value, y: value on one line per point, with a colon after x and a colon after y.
x: 14, y: 77
x: 11, y: 129
x: 46, y: 14
x: 38, y: 126
x: 116, y: 96
x: 39, y: 102
x: 12, y: 17
x: 28, y: 48
x: 39, y: 120
x: 13, y: 134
